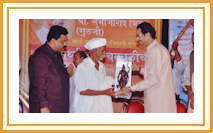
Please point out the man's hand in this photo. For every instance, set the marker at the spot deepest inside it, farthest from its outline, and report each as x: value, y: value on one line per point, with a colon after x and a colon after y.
x: 110, y: 92
x: 174, y: 46
x: 191, y: 22
x: 45, y: 110
x: 135, y: 67
x: 191, y: 96
x: 192, y: 103
x: 70, y: 70
x: 124, y: 91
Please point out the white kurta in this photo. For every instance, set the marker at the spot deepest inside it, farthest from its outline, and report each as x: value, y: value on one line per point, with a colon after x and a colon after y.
x: 88, y: 77
x: 177, y: 72
x: 158, y: 84
x: 187, y: 82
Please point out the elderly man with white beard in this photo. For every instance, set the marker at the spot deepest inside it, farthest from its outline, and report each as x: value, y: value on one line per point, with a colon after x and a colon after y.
x: 93, y: 88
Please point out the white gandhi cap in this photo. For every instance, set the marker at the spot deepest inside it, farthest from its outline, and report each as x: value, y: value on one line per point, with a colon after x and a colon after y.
x: 95, y: 43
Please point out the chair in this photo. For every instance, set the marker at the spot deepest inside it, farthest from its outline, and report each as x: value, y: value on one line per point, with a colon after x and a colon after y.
x: 181, y: 106
x: 136, y: 105
x: 133, y: 105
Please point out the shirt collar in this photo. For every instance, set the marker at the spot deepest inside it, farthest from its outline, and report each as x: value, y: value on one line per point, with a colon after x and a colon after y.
x: 152, y: 44
x: 93, y: 63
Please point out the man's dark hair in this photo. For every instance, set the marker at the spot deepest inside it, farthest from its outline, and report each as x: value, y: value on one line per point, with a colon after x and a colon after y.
x: 146, y: 27
x: 55, y: 32
x: 82, y: 54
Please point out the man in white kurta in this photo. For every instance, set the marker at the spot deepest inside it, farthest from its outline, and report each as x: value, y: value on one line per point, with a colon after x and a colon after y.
x: 78, y: 57
x: 91, y: 83
x: 189, y: 82
x: 177, y: 72
x: 178, y: 68
x: 158, y: 85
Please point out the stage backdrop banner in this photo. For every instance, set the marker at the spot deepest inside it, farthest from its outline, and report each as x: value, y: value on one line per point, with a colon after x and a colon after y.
x: 119, y: 33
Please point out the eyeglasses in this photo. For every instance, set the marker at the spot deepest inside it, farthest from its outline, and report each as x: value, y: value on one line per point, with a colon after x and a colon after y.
x: 139, y: 35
